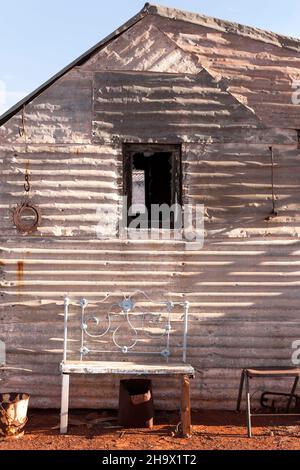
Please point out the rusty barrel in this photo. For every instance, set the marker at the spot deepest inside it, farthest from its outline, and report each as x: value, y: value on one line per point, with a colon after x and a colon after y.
x: 136, y: 407
x: 13, y: 413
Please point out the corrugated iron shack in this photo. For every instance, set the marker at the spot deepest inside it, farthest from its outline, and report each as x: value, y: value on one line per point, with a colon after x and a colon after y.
x: 223, y: 93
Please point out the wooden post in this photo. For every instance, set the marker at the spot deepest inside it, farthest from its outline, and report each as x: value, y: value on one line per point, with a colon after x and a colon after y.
x: 186, y: 407
x: 64, y: 411
x: 67, y: 303
x: 248, y: 403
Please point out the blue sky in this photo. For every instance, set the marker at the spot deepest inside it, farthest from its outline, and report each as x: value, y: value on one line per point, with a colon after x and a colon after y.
x: 40, y: 37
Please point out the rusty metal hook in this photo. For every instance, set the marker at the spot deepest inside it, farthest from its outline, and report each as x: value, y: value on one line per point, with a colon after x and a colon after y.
x: 27, y: 183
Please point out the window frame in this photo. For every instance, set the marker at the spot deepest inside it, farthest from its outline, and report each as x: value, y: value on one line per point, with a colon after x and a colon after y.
x: 129, y: 149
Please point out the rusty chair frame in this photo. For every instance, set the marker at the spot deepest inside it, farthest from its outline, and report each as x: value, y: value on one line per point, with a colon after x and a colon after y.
x: 264, y: 372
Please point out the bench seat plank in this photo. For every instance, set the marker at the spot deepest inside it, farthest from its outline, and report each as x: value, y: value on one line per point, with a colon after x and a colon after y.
x: 127, y: 368
x: 274, y: 372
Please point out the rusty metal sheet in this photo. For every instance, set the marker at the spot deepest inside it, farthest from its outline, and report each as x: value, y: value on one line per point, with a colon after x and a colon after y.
x: 166, y: 107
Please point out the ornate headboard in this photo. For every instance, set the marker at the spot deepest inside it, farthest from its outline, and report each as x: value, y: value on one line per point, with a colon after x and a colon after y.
x: 127, y: 325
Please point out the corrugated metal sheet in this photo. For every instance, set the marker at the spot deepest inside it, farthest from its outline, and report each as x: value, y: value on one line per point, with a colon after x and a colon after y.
x: 259, y: 74
x: 243, y: 293
x: 243, y: 286
x: 137, y: 50
x: 194, y: 40
x: 69, y: 184
x: 258, y: 69
x: 171, y: 107
x: 226, y: 26
x: 244, y: 300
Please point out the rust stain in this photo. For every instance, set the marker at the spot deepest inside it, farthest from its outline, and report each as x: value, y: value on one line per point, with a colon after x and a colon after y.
x: 20, y: 273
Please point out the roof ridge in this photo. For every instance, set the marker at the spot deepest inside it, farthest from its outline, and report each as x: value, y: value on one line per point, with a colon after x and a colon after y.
x: 252, y: 32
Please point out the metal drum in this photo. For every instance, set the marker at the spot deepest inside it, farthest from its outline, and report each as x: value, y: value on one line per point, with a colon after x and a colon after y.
x: 13, y: 414
x: 136, y: 409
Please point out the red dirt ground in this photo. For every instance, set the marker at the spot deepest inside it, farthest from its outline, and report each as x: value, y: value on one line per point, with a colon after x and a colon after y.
x: 211, y: 430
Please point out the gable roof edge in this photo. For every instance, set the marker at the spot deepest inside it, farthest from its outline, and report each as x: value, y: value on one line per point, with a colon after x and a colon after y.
x: 171, y: 13
x: 81, y: 59
x: 250, y: 32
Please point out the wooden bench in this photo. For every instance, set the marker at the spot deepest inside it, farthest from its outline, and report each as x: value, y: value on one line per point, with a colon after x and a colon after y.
x: 142, y: 337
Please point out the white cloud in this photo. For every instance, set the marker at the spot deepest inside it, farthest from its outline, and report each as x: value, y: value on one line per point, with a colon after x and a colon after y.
x: 8, y: 97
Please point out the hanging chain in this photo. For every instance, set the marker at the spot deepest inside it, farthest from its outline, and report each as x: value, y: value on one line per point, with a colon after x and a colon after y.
x: 274, y: 213
x: 22, y: 133
x: 20, y: 213
x: 27, y: 183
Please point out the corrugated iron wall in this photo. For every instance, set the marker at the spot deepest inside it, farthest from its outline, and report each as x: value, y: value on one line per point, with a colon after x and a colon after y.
x: 260, y: 74
x: 244, y: 298
x: 243, y: 286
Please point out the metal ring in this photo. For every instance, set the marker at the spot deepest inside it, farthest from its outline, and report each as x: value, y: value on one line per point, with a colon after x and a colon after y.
x: 19, y: 217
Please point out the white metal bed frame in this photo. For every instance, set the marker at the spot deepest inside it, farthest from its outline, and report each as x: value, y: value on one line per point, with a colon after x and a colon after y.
x: 126, y: 308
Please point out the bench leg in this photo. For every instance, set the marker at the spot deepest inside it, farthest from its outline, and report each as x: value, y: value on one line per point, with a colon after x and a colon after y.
x: 248, y: 403
x: 64, y: 404
x: 239, y: 400
x: 186, y: 407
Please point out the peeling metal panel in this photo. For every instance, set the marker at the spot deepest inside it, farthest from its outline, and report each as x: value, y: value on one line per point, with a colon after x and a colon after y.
x: 167, y: 107
x: 259, y: 74
x: 145, y: 48
x: 258, y: 66
x: 251, y: 32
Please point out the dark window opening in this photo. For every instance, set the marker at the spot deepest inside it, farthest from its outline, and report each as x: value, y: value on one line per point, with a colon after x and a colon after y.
x: 152, y: 176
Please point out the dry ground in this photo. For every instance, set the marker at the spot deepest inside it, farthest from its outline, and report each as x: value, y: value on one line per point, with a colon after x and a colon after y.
x: 212, y: 430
